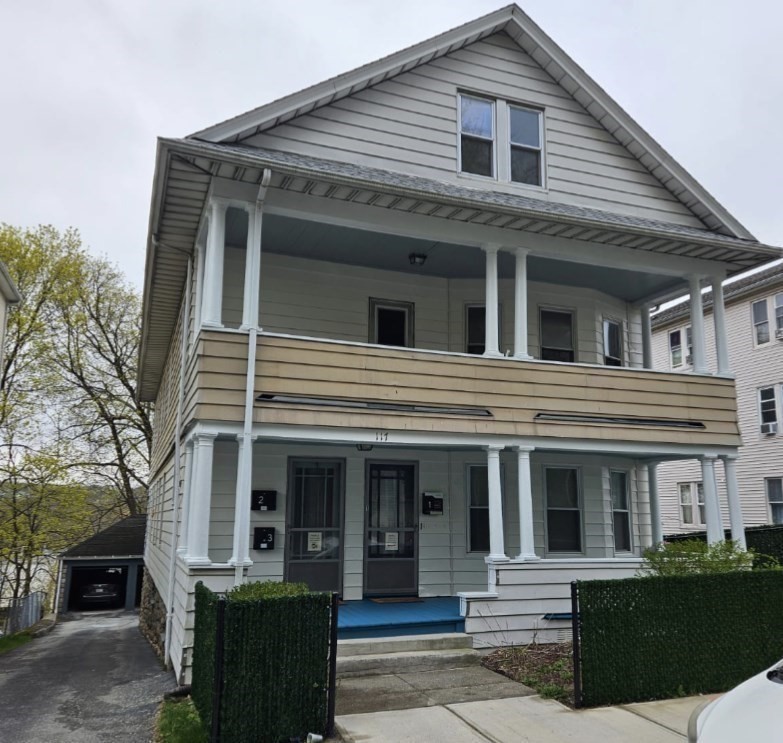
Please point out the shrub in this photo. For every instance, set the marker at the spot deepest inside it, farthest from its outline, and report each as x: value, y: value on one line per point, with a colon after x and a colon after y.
x: 694, y: 557
x: 268, y: 589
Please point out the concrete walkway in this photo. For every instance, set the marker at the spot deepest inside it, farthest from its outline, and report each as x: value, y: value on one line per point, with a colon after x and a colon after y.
x: 524, y: 720
x: 92, y: 680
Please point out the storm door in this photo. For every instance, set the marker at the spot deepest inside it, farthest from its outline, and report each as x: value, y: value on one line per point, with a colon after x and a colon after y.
x: 391, y: 549
x: 314, y: 547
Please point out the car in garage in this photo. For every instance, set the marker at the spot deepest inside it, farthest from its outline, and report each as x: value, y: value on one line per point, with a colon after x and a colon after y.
x: 96, y: 594
x: 750, y: 711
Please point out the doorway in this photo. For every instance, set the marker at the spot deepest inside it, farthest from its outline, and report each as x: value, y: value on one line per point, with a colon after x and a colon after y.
x: 314, y: 541
x: 391, y: 530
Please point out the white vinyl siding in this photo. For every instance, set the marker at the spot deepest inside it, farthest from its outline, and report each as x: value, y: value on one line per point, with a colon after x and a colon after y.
x: 298, y: 297
x: 410, y: 124
x: 754, y: 367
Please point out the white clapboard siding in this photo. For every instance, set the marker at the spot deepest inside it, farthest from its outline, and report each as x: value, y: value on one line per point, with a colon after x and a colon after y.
x: 409, y: 124
x: 322, y: 299
x: 760, y: 457
x: 528, y: 591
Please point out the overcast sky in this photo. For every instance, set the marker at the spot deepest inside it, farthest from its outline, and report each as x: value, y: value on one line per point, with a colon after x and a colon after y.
x: 87, y: 86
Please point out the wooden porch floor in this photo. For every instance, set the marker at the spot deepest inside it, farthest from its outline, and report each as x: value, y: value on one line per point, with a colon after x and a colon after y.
x: 366, y: 618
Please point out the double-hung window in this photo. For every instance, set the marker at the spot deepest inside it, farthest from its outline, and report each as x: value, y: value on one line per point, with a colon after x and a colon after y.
x: 676, y: 338
x: 691, y: 503
x: 391, y: 323
x: 775, y: 498
x: 477, y: 135
x: 501, y: 140
x: 768, y: 410
x: 557, y: 335
x: 621, y: 510
x: 476, y: 328
x: 563, y: 510
x: 478, y: 507
x: 760, y: 322
x: 525, y: 145
x: 613, y: 343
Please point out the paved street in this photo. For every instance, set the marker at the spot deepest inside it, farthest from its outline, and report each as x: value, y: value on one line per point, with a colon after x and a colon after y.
x: 91, y: 680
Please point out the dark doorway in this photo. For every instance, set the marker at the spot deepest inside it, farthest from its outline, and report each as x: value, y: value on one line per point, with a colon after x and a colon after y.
x: 97, y: 588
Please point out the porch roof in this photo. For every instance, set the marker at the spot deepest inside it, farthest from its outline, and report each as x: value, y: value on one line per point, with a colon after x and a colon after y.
x: 185, y: 170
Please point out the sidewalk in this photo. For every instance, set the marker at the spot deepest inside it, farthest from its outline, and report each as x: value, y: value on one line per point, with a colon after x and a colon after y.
x: 522, y: 720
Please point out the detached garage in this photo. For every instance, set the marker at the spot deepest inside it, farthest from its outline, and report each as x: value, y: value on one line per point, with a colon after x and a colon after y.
x: 104, y: 571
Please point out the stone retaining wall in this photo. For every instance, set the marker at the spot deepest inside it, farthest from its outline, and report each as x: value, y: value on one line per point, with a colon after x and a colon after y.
x: 152, y: 616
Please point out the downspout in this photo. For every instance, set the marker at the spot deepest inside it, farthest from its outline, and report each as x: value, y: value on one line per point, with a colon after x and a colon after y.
x: 243, y: 552
x: 177, y: 459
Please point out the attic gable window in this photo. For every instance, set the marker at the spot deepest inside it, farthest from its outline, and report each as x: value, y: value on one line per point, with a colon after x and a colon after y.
x: 477, y: 135
x: 525, y: 144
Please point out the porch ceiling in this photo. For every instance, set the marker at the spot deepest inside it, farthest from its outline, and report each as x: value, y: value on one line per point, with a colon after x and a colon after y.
x: 314, y: 240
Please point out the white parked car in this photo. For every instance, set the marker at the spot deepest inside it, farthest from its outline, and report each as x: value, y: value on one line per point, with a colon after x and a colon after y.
x: 752, y: 711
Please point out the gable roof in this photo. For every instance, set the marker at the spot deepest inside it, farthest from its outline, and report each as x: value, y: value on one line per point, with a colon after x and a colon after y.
x: 123, y: 539
x: 532, y: 39
x: 732, y: 292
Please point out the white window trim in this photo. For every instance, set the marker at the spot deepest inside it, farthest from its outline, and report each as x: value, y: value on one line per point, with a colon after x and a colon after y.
x: 630, y: 491
x: 770, y: 502
x: 468, y: 507
x: 580, y: 502
x: 501, y: 141
x: 776, y: 395
x: 695, y: 512
x: 409, y: 308
x: 608, y: 319
x: 687, y: 350
x: 772, y: 319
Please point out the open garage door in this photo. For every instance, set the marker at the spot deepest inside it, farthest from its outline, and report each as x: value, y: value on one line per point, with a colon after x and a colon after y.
x: 97, y: 588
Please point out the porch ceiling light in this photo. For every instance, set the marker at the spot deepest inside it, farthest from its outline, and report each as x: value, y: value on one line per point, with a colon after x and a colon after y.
x: 617, y: 420
x: 364, y: 447
x: 417, y: 259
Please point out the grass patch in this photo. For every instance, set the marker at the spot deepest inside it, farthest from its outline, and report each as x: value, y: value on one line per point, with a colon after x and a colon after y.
x: 178, y: 722
x: 9, y: 642
x: 549, y: 669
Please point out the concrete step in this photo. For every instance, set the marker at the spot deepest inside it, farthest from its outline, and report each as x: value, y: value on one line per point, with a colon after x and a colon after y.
x: 377, y: 664
x: 403, y: 644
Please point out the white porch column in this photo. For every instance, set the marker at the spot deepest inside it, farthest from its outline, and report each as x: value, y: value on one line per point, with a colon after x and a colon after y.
x: 497, y: 552
x: 732, y: 493
x: 212, y: 291
x: 719, y: 317
x: 252, y: 270
x: 711, y: 502
x: 520, y: 306
x: 527, y: 547
x: 647, y: 360
x: 240, y: 556
x: 187, y: 494
x: 491, y: 303
x: 697, y: 327
x: 655, y: 504
x: 200, y: 499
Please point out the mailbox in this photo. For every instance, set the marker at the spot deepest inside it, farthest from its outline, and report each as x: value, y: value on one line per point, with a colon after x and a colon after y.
x: 263, y: 500
x: 264, y: 538
x: 432, y: 504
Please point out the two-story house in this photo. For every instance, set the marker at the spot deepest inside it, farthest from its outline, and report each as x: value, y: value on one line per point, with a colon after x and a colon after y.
x: 397, y: 332
x: 754, y: 322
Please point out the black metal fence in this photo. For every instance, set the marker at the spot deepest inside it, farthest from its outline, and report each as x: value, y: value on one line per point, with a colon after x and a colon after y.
x: 763, y: 540
x: 640, y: 639
x: 23, y: 612
x: 265, y: 669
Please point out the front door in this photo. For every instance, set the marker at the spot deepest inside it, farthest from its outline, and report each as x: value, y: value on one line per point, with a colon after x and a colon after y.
x: 391, y: 549
x: 315, y: 535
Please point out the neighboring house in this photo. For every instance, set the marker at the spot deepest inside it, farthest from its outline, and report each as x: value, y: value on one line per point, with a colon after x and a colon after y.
x: 396, y: 327
x: 9, y: 295
x: 754, y: 322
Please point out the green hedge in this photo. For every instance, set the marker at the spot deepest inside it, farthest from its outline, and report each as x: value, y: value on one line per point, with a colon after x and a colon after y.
x: 763, y: 540
x: 275, y: 665
x: 661, y: 637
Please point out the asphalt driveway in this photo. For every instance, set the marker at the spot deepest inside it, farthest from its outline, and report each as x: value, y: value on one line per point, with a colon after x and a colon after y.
x: 90, y: 680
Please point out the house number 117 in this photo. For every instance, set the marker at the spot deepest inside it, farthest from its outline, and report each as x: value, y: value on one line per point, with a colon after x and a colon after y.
x: 381, y: 435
